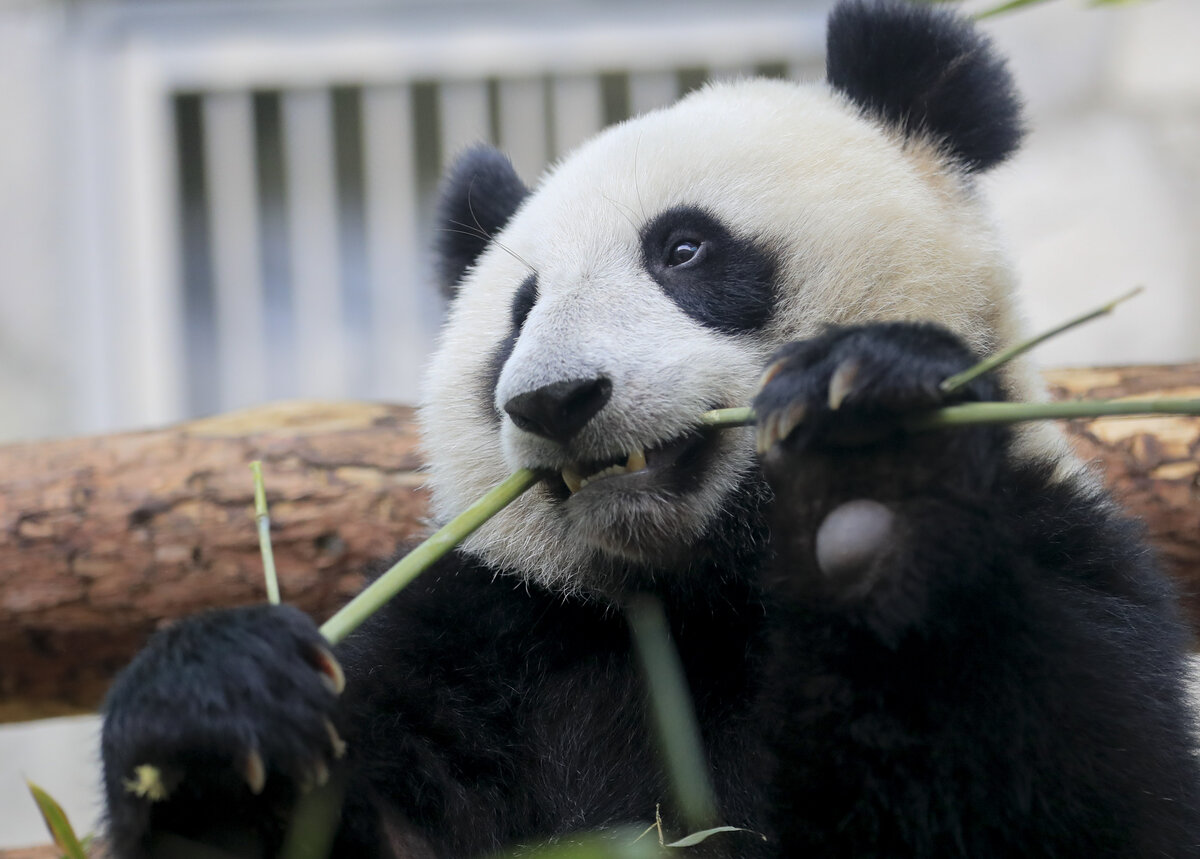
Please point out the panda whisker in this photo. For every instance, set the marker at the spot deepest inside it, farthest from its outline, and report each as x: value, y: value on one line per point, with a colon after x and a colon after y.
x: 487, y: 235
x: 625, y: 211
x: 637, y: 191
x: 478, y: 231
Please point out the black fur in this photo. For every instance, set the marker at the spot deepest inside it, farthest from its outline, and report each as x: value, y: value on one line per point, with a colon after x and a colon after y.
x: 203, y: 694
x: 476, y: 199
x: 478, y: 713
x: 729, y: 283
x: 927, y: 72
x: 1010, y: 683
x: 1013, y: 682
x: 523, y: 300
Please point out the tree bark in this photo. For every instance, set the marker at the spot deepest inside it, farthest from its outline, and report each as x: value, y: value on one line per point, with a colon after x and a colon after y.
x: 102, y: 539
x: 1150, y: 464
x: 45, y: 852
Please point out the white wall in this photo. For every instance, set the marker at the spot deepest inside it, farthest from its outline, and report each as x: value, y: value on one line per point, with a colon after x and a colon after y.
x: 34, y: 396
x: 60, y: 756
x: 1106, y: 192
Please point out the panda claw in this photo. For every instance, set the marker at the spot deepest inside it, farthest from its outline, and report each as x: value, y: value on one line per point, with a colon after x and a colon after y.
x: 254, y: 771
x: 331, y: 670
x: 778, y: 426
x: 335, y: 741
x: 770, y: 373
x: 841, y: 383
x: 767, y: 433
x: 791, y: 419
x: 317, y: 776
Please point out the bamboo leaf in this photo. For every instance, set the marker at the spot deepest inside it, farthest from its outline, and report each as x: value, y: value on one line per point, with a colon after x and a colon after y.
x: 1010, y: 6
x: 58, y: 824
x: 696, y: 837
x: 618, y: 844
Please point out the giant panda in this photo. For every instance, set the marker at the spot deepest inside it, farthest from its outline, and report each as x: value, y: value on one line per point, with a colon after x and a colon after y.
x: 931, y: 644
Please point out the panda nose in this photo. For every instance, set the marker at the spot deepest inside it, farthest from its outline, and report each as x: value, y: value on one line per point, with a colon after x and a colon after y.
x: 559, y: 410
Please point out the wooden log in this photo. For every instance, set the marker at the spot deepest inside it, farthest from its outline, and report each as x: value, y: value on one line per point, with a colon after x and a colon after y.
x: 102, y: 539
x: 1151, y: 465
x: 45, y: 852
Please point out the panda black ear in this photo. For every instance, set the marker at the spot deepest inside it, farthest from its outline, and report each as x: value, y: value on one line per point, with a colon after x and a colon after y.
x: 928, y: 72
x: 478, y: 195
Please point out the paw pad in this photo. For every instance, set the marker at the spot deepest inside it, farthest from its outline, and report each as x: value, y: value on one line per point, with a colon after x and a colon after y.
x: 849, y: 541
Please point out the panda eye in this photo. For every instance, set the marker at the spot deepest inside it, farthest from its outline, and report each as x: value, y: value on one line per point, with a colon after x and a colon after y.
x: 684, y: 251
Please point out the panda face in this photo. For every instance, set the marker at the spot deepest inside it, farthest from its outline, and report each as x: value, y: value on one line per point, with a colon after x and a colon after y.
x: 646, y: 280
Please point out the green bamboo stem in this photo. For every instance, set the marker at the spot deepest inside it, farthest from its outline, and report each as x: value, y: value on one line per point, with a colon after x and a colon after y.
x: 969, y: 414
x: 725, y: 418
x: 975, y: 414
x: 264, y: 533
x: 458, y: 529
x: 424, y: 555
x: 671, y: 703
x: 953, y: 383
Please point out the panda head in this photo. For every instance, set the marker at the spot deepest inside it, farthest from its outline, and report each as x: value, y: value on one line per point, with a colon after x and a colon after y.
x: 649, y: 275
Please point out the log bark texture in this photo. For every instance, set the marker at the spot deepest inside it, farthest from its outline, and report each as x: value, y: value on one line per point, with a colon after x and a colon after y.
x: 45, y: 852
x: 1151, y: 464
x: 102, y: 539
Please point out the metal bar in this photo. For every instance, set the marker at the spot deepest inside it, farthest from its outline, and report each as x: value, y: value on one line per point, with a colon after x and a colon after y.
x: 650, y: 90
x: 237, y: 263
x: 496, y: 43
x: 523, y: 130
x: 312, y: 219
x: 403, y: 308
x: 150, y: 320
x: 578, y: 110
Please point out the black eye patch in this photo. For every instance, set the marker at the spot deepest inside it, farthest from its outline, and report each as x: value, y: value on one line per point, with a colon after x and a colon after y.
x: 719, y: 279
x: 523, y: 301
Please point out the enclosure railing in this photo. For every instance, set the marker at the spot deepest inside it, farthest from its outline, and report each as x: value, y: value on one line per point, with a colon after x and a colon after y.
x: 252, y: 191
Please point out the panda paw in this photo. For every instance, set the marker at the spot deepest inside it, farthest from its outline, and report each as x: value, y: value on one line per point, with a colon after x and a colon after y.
x: 848, y: 479
x: 851, y: 386
x: 224, y: 706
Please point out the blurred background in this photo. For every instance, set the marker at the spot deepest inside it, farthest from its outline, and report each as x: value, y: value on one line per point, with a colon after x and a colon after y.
x: 204, y: 205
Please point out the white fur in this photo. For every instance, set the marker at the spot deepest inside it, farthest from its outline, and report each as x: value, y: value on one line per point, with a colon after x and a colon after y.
x: 865, y: 226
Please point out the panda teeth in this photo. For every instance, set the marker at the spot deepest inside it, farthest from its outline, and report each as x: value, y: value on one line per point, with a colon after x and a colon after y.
x: 607, y: 472
x: 572, y: 479
x: 636, y: 461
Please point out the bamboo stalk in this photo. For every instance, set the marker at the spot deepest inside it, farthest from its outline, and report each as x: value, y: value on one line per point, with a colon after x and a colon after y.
x: 424, y: 555
x: 263, y: 521
x: 953, y: 383
x: 674, y: 716
x: 466, y: 523
x: 970, y: 414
